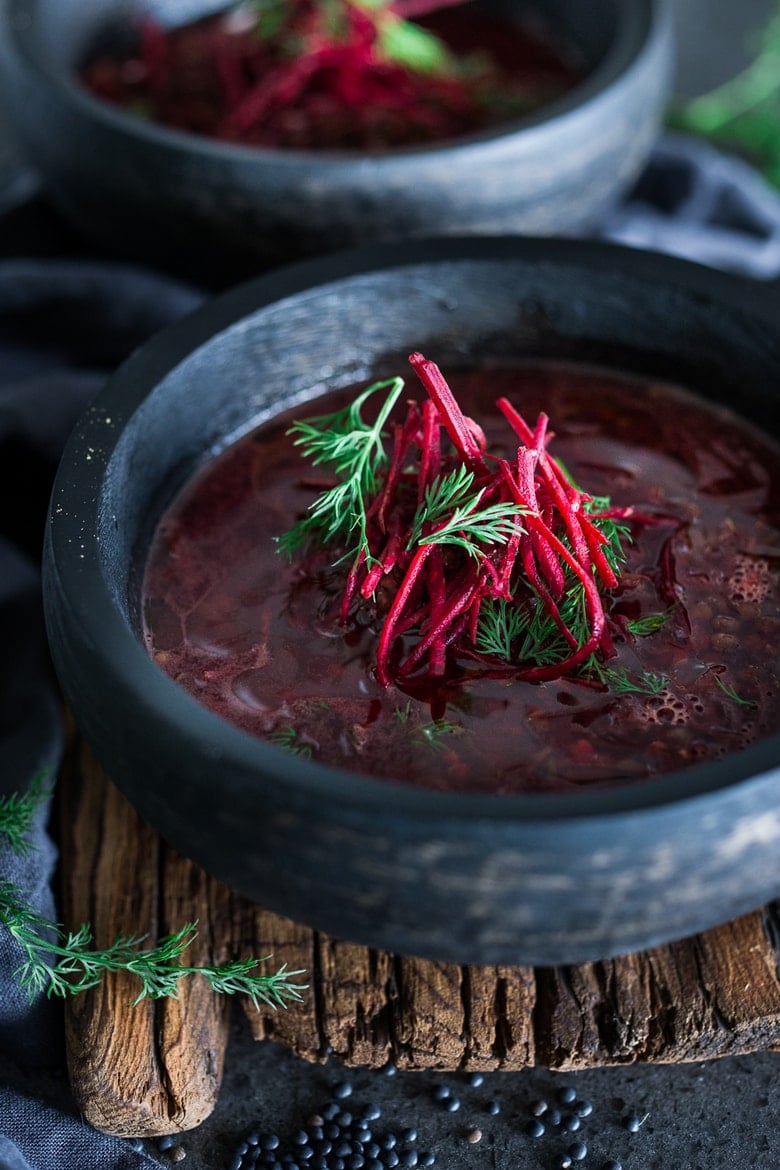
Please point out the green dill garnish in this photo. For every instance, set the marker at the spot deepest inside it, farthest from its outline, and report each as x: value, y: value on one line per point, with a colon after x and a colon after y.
x: 433, y: 734
x: 651, y: 623
x: 17, y: 813
x: 288, y: 739
x: 622, y: 682
x: 500, y: 624
x: 730, y: 693
x: 354, y: 450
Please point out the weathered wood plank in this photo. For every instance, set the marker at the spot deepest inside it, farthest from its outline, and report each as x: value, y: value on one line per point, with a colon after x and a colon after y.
x: 156, y: 1067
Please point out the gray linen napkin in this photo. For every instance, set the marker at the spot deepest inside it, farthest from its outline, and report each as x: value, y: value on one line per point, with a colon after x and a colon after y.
x: 64, y: 325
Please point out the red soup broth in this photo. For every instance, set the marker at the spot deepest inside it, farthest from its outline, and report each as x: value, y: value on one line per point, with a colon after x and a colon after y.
x: 257, y: 638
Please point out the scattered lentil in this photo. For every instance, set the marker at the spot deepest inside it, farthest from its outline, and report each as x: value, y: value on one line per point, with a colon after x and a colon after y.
x: 583, y: 1108
x: 612, y: 1164
x: 578, y: 1151
x: 633, y: 1123
x: 442, y: 1092
x: 167, y: 1142
x: 452, y: 1104
x: 535, y: 1128
x: 476, y: 1079
x: 178, y: 1154
x: 566, y: 1095
x: 493, y: 1108
x: 538, y: 1108
x: 342, y: 1090
x: 409, y: 1135
x: 473, y: 1136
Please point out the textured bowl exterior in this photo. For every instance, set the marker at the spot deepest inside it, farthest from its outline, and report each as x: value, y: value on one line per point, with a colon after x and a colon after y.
x: 161, y: 195
x: 466, y: 878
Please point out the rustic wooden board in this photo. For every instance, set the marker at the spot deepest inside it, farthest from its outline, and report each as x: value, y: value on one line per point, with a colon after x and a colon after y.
x: 156, y: 1067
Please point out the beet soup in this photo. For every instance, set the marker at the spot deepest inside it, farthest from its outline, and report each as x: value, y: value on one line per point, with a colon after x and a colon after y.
x: 672, y: 661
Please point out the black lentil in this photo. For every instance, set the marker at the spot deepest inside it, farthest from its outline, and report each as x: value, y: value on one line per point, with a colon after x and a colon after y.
x: 493, y: 1108
x: 452, y: 1104
x: 571, y: 1123
x: 565, y: 1162
x: 566, y: 1095
x: 583, y: 1108
x: 409, y: 1135
x: 165, y: 1143
x: 553, y: 1117
x: 535, y: 1128
x: 427, y: 1159
x: 389, y: 1069
x: 538, y: 1108
x: 408, y: 1158
x: 578, y: 1151
x: 633, y: 1123
x: 441, y: 1092
x: 371, y: 1112
x: 136, y: 1145
x: 473, y: 1136
x: 342, y: 1090
x: 178, y: 1154
x: 476, y: 1079
x: 612, y: 1165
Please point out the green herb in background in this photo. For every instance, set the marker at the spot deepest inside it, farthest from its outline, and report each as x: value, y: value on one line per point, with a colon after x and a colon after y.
x: 744, y: 112
x: 62, y: 963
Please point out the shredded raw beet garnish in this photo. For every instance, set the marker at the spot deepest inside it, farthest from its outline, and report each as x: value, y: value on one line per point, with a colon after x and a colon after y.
x: 498, y: 559
x: 344, y: 74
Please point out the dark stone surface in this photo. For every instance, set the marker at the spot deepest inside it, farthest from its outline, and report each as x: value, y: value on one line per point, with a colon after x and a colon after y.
x: 718, y: 1115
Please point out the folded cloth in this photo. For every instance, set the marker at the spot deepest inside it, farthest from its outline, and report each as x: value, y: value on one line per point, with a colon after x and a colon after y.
x: 64, y: 325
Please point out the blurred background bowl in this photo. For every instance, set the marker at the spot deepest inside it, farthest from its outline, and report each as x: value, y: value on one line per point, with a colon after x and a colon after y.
x: 208, y: 207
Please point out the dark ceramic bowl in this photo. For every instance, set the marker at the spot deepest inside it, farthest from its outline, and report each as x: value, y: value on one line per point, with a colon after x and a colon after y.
x: 469, y: 878
x: 176, y: 198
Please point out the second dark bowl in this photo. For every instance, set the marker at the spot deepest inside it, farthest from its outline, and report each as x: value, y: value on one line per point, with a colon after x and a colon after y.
x: 211, y: 207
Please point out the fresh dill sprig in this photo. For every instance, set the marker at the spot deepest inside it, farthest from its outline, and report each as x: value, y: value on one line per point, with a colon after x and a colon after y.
x: 621, y: 682
x: 17, y: 813
x: 500, y: 624
x: 730, y: 693
x: 614, y: 530
x: 450, y: 509
x: 651, y: 623
x: 433, y: 734
x: 354, y: 450
x: 288, y: 740
x: 60, y: 963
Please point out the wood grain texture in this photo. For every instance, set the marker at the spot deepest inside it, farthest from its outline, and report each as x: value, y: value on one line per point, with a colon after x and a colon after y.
x: 156, y: 1068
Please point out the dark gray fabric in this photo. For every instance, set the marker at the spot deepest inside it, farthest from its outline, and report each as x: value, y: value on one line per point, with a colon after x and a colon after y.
x: 63, y: 327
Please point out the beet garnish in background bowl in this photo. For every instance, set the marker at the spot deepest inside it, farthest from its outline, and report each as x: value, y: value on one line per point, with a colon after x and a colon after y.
x: 218, y: 205
x: 628, y: 815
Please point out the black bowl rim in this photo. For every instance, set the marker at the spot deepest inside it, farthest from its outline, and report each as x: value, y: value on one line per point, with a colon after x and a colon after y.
x: 643, y: 23
x: 75, y: 570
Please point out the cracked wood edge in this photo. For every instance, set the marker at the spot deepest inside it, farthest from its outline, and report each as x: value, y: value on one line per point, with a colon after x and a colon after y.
x: 155, y: 1067
x: 710, y: 995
